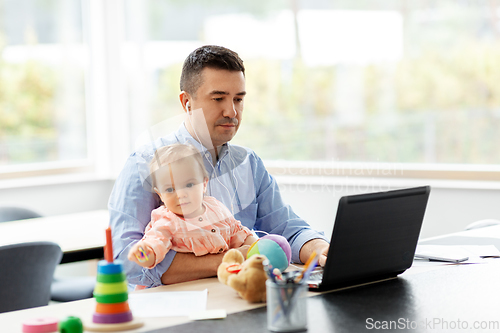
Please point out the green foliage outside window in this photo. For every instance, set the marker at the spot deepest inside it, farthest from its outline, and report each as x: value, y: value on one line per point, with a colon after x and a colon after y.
x: 445, y: 108
x: 27, y: 112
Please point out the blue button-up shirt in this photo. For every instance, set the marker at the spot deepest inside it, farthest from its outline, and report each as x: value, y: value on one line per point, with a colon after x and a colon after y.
x: 239, y: 180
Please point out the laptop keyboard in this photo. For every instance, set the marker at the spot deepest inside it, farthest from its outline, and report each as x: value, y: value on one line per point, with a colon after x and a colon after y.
x: 316, y: 276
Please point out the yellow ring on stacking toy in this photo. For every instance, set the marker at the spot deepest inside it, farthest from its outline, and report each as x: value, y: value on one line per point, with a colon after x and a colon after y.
x: 110, y: 288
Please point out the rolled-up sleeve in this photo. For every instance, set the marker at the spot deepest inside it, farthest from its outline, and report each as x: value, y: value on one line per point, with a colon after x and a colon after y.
x: 276, y: 217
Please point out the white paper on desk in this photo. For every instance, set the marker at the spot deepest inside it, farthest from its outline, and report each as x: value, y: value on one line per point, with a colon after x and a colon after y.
x: 168, y: 303
x: 482, y: 251
x: 476, y: 253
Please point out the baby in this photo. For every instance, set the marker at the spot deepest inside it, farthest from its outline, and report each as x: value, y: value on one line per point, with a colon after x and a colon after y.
x: 188, y: 221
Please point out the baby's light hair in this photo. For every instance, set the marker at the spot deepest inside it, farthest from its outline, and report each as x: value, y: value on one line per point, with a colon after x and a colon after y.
x: 175, y: 153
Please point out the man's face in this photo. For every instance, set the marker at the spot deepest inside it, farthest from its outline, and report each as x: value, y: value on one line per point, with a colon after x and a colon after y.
x: 221, y: 98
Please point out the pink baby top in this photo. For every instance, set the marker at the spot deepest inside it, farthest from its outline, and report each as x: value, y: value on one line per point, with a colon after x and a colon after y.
x: 215, y: 231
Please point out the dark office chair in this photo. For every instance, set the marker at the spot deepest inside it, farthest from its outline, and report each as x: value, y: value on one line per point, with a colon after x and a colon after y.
x: 63, y: 289
x: 72, y: 288
x: 10, y: 213
x: 27, y: 270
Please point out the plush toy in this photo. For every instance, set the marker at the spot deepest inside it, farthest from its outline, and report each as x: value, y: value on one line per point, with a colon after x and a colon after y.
x: 275, y: 248
x: 248, y: 277
x: 231, y: 264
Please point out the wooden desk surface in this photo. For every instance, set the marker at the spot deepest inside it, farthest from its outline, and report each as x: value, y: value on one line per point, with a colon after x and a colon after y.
x: 72, y: 232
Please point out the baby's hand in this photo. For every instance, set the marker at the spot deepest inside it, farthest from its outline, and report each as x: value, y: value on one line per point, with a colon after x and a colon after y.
x: 141, y: 254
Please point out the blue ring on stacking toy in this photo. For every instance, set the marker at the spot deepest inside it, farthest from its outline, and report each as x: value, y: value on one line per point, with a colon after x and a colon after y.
x: 104, y: 267
x: 117, y: 318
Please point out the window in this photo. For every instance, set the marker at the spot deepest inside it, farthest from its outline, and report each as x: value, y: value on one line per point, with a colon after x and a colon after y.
x: 43, y: 64
x: 403, y: 84
x: 399, y: 82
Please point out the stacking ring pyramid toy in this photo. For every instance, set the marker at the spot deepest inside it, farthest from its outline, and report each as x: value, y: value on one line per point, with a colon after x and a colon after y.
x: 112, y: 311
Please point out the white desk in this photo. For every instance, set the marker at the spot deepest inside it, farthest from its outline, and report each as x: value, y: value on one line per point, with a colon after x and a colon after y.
x: 220, y: 296
x: 481, y: 236
x: 81, y: 236
x: 410, y: 294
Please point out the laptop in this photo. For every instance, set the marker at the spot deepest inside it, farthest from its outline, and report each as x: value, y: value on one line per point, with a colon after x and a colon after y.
x: 374, y: 238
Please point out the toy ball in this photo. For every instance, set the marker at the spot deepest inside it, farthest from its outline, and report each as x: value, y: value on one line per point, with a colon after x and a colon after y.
x: 275, y: 248
x: 71, y: 324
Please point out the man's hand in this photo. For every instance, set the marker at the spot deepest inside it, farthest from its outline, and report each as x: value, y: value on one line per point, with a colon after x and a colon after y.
x: 188, y: 267
x: 319, y: 245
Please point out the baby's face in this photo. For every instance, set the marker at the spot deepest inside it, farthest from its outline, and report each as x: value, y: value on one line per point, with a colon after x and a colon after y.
x: 181, y: 186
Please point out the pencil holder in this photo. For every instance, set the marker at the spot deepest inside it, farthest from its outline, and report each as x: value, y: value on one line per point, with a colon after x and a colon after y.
x: 286, y: 306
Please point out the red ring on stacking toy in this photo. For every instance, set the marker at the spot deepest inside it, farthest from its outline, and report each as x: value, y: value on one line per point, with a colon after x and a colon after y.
x: 112, y: 308
x: 116, y: 318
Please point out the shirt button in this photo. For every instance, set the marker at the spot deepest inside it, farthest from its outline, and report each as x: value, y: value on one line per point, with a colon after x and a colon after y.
x: 213, y: 230
x: 221, y: 249
x: 200, y: 219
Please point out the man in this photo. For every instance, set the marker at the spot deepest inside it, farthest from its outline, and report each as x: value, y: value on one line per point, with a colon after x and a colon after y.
x: 212, y: 94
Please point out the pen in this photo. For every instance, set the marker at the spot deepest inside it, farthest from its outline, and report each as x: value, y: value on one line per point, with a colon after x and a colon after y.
x: 307, y: 272
x: 312, y: 257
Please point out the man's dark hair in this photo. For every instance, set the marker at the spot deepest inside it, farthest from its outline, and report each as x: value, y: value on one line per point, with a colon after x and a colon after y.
x: 212, y: 56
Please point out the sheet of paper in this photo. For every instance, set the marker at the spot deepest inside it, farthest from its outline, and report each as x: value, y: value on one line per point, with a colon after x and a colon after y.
x: 208, y: 314
x: 482, y: 251
x: 476, y: 253
x: 168, y: 304
x: 426, y: 263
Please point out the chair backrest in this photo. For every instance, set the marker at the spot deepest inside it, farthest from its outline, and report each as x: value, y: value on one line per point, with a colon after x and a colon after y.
x: 13, y: 213
x: 26, y: 273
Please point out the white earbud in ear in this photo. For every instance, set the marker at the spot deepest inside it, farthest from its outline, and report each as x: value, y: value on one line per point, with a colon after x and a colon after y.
x: 188, y: 107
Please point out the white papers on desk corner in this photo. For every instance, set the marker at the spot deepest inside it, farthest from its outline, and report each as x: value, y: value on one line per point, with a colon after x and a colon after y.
x: 168, y: 303
x: 475, y: 253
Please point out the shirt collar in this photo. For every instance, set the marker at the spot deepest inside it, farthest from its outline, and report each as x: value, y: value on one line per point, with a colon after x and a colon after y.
x: 184, y: 136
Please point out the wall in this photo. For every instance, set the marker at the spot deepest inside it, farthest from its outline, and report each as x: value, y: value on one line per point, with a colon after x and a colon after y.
x: 62, y: 196
x: 451, y: 207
